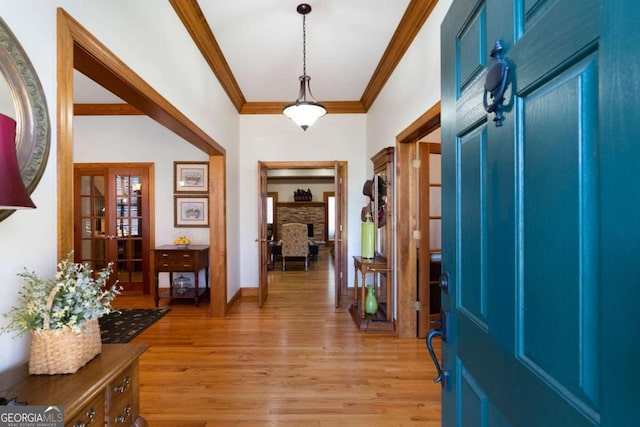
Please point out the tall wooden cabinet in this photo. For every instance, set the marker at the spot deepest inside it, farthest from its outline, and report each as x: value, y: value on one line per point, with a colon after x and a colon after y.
x: 379, y: 270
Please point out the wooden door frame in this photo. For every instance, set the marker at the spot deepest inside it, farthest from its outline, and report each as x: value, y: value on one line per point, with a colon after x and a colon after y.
x: 263, y: 249
x: 79, y: 49
x: 407, y: 220
x: 341, y: 282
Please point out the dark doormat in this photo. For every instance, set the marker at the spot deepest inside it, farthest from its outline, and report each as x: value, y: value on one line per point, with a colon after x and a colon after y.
x: 123, y: 325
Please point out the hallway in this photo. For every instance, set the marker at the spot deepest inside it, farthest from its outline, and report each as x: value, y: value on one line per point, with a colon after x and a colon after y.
x: 297, y: 361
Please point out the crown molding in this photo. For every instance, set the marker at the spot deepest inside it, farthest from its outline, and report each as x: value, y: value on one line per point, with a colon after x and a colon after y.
x: 412, y: 21
x: 275, y: 107
x: 194, y: 21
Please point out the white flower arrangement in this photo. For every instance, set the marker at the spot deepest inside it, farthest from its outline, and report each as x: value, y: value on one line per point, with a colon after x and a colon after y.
x: 79, y: 298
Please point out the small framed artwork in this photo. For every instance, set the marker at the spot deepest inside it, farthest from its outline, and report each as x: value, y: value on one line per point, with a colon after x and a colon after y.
x: 191, y: 177
x: 191, y: 211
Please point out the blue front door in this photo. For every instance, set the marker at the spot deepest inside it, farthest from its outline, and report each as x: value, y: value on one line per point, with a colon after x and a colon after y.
x: 541, y: 215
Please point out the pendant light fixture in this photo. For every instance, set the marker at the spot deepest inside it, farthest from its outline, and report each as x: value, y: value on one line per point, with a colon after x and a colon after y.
x: 13, y: 194
x: 304, y: 112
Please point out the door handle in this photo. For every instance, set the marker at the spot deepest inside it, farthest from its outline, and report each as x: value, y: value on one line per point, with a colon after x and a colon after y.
x: 444, y: 282
x: 442, y: 375
x: 442, y: 333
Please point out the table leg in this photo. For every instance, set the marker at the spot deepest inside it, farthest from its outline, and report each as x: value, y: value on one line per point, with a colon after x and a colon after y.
x: 364, y: 287
x: 197, y: 273
x: 170, y: 287
x: 355, y: 286
x: 157, y: 296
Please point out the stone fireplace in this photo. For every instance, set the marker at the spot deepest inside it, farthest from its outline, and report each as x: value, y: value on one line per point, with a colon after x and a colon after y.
x: 304, y: 212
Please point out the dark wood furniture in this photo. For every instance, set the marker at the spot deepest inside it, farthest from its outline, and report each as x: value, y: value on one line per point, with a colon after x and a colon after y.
x: 172, y: 259
x: 382, y: 264
x: 104, y: 392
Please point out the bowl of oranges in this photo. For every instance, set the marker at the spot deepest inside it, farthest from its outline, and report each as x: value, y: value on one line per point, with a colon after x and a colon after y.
x: 182, y: 242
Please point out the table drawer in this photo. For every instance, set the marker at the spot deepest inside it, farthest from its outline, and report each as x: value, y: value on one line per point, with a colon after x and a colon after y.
x: 175, y: 261
x: 175, y: 256
x: 123, y: 398
x: 91, y: 414
x: 166, y: 265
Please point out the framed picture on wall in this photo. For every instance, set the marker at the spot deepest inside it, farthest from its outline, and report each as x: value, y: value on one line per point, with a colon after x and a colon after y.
x: 191, y: 211
x: 191, y: 177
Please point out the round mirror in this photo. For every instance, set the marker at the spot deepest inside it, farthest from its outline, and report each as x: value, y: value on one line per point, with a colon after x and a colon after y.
x: 25, y: 95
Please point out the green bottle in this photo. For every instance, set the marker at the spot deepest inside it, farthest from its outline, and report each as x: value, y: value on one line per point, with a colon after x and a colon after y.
x: 368, y: 235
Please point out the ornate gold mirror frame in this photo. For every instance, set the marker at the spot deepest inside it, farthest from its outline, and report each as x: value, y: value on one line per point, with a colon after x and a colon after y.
x: 33, y: 132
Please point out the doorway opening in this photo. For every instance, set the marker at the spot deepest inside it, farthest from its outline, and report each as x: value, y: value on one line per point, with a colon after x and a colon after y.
x: 80, y: 50
x: 279, y: 201
x: 414, y: 253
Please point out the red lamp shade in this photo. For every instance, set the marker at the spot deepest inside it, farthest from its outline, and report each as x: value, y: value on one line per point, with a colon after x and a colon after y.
x: 13, y: 194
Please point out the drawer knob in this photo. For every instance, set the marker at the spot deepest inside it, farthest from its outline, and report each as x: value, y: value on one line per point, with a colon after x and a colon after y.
x: 124, y: 386
x: 122, y: 418
x: 91, y: 413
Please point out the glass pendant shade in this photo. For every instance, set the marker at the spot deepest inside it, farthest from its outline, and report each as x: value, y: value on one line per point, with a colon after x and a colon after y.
x: 13, y: 194
x: 304, y: 113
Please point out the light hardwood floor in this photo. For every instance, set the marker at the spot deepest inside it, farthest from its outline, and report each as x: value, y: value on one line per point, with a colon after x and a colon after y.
x: 297, y: 361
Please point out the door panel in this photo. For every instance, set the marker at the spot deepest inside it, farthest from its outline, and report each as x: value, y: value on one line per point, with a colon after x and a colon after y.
x: 340, y: 244
x: 559, y: 235
x: 263, y: 255
x: 521, y: 240
x: 90, y: 220
x: 472, y: 243
x: 112, y: 222
x: 129, y: 227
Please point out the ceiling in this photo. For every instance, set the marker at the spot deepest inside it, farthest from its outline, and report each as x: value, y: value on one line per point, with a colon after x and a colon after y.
x: 255, y: 50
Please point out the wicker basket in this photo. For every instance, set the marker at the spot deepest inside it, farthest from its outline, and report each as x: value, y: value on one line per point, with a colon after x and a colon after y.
x: 63, y: 351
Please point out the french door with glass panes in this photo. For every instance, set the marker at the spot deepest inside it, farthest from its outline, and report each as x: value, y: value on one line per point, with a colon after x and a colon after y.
x: 111, y: 220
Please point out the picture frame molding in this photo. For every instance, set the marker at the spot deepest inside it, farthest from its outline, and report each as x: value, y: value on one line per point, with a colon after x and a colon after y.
x: 182, y: 167
x: 182, y: 220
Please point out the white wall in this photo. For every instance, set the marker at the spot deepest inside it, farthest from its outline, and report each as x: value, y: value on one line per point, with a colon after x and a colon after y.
x: 140, y: 139
x: 274, y: 138
x: 148, y: 40
x: 115, y: 139
x: 412, y: 89
x: 414, y: 86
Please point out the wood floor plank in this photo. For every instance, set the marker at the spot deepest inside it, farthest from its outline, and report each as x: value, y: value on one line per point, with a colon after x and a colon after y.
x: 297, y: 361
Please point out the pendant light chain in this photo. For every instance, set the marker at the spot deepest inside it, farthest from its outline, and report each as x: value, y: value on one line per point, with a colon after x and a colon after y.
x: 304, y: 45
x: 304, y: 112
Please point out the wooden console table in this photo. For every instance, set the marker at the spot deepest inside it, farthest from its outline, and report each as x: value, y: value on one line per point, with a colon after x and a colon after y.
x: 103, y: 392
x: 172, y: 259
x: 381, y: 322
x: 364, y: 266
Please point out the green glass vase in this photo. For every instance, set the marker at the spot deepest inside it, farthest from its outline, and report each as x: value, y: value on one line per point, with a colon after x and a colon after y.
x: 370, y: 302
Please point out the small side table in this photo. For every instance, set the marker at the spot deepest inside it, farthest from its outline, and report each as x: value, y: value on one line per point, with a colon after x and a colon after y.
x: 172, y: 259
x: 377, y: 265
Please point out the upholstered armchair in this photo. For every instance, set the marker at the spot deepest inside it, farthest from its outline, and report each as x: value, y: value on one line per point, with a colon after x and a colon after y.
x: 295, y: 243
